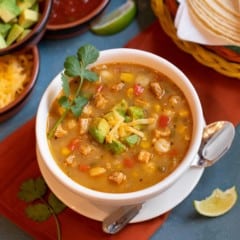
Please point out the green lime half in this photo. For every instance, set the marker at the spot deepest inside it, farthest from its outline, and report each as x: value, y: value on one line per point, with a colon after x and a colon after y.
x: 218, y: 203
x: 116, y: 20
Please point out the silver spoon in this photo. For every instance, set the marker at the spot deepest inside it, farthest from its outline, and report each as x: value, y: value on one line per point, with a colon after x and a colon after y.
x: 216, y: 141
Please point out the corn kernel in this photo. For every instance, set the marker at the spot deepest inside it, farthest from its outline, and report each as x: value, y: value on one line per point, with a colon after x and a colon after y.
x: 145, y: 144
x: 184, y: 113
x: 130, y: 92
x: 157, y: 108
x: 126, y: 77
x: 181, y: 129
x: 97, y: 171
x: 65, y: 151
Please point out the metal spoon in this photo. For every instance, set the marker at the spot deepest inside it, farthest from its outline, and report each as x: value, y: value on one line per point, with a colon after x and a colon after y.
x: 216, y: 140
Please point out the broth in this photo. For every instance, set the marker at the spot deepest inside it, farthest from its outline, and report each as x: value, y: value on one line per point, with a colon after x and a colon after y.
x: 134, y: 131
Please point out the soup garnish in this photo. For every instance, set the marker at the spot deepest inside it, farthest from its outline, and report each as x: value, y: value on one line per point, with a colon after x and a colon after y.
x: 133, y: 131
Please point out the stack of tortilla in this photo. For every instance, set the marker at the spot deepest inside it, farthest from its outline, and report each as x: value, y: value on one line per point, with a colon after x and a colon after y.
x: 221, y: 18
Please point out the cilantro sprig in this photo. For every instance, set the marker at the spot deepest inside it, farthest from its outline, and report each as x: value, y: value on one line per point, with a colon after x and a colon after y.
x: 76, y: 66
x: 42, y: 203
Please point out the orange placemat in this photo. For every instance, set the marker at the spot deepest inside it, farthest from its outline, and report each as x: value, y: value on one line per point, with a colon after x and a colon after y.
x: 18, y: 163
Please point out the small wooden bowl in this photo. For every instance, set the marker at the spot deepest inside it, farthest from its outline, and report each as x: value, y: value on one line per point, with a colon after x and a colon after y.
x: 62, y: 28
x: 37, y: 31
x: 13, y: 107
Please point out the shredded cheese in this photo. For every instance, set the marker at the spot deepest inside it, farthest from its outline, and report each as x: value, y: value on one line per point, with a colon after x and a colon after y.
x: 15, y: 71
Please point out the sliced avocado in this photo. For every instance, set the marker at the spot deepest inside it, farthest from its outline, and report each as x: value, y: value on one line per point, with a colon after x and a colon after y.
x: 24, y: 4
x: 3, y: 43
x: 116, y: 147
x: 8, y: 10
x: 135, y: 112
x: 4, y: 29
x: 23, y: 34
x: 98, y: 129
x: 131, y: 140
x: 27, y: 18
x: 121, y: 107
x: 14, y: 33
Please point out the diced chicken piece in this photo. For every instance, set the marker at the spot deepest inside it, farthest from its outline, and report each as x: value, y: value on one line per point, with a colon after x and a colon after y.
x: 69, y: 160
x: 174, y: 100
x: 97, y: 171
x: 100, y: 101
x: 85, y: 149
x: 71, y: 123
x: 157, y: 90
x: 162, y: 133
x: 87, y: 110
x: 83, y: 125
x: 162, y: 145
x: 117, y: 87
x: 60, y: 132
x: 117, y: 177
x: 144, y: 156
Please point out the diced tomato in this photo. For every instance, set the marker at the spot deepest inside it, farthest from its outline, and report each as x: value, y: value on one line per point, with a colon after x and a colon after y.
x: 83, y: 167
x: 74, y: 144
x: 128, y: 162
x: 99, y: 88
x: 138, y: 89
x: 163, y: 121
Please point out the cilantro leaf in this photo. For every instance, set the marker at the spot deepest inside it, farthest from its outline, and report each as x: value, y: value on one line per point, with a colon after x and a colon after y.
x: 32, y: 189
x: 72, y: 66
x: 87, y: 54
x: 55, y: 203
x: 90, y: 76
x: 65, y: 85
x: 77, y: 108
x: 38, y: 212
x: 64, y: 102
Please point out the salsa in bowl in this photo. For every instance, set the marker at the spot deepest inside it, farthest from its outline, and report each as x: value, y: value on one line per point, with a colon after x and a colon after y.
x: 138, y: 130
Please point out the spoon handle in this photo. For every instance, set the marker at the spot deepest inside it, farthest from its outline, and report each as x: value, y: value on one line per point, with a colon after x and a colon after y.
x: 119, y: 218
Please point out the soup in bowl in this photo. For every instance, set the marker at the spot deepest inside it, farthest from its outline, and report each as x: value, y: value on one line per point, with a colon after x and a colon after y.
x: 138, y: 128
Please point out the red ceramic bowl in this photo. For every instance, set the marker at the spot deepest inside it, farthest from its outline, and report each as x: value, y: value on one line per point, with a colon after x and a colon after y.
x: 13, y: 107
x: 37, y: 31
x: 70, y: 18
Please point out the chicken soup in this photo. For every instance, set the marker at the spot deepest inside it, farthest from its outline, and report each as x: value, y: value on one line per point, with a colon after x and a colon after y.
x: 133, y: 131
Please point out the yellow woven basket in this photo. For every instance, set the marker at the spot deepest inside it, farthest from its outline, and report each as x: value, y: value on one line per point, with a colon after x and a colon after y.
x: 199, y: 52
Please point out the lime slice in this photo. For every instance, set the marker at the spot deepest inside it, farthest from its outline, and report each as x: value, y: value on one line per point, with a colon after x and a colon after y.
x: 116, y: 20
x: 218, y: 203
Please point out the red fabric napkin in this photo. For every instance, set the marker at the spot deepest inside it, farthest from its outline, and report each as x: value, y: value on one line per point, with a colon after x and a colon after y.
x: 18, y: 163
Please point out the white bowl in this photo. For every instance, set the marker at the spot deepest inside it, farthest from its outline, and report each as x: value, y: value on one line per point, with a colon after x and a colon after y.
x: 110, y: 199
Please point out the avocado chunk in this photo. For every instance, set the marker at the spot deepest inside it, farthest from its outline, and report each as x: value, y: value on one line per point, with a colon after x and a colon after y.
x: 135, y: 112
x: 116, y: 147
x: 131, y: 140
x: 14, y: 33
x: 98, y: 129
x: 4, y: 29
x: 8, y: 10
x: 3, y: 43
x: 27, y: 18
x: 121, y: 107
x: 23, y: 34
x: 24, y: 4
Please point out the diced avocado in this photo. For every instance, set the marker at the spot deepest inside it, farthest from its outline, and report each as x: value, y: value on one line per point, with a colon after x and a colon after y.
x: 35, y: 7
x: 8, y: 10
x: 3, y: 43
x: 27, y: 18
x: 98, y: 129
x: 116, y: 147
x: 135, y: 112
x: 121, y: 107
x: 24, y: 4
x: 132, y: 140
x: 4, y: 29
x: 24, y: 34
x: 14, y: 33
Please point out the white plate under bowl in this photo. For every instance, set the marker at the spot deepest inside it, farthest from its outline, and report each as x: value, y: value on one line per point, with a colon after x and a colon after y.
x: 151, y: 209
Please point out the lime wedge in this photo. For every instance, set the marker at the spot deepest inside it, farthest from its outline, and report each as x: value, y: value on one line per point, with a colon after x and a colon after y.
x: 218, y: 203
x: 116, y: 20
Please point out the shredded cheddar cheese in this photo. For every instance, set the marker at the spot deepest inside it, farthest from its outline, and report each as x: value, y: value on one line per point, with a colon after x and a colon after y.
x: 15, y: 71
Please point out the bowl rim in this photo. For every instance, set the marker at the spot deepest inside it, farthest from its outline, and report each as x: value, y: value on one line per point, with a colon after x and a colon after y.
x: 137, y: 196
x: 33, y: 78
x: 56, y: 27
x: 36, y: 32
